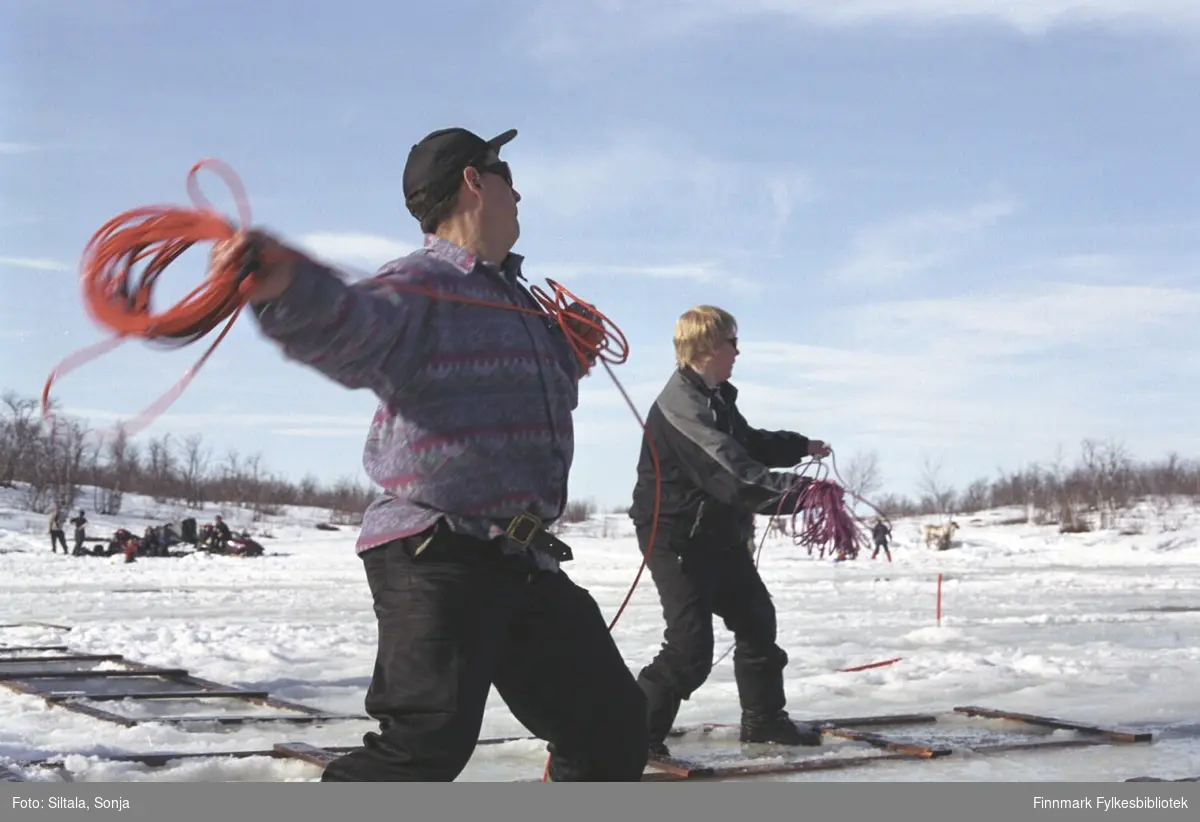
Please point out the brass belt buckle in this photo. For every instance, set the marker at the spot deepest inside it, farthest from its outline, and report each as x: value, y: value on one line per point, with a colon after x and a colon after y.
x: 533, y: 524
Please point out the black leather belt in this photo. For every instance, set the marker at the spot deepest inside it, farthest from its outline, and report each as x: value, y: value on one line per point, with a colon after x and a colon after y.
x: 528, y: 531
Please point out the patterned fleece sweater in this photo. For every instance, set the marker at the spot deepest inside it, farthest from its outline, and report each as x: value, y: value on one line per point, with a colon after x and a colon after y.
x: 474, y: 417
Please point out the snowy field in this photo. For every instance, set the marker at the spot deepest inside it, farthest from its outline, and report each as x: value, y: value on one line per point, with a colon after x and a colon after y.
x: 1093, y: 628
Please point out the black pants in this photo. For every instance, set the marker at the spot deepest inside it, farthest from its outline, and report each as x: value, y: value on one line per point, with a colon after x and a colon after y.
x: 457, y: 617
x: 57, y: 537
x: 697, y: 580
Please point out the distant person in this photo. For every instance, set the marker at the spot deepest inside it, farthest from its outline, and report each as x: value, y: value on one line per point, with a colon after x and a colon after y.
x: 57, y: 536
x: 80, y: 522
x: 881, y: 532
x: 150, y: 545
x: 222, y: 533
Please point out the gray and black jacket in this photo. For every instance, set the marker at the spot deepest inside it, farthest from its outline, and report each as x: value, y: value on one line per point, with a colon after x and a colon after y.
x: 716, y: 469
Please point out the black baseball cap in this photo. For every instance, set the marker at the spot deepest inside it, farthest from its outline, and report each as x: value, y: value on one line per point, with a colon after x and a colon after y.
x: 434, y: 164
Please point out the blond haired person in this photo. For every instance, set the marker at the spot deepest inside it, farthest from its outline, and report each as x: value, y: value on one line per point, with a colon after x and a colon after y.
x: 716, y: 474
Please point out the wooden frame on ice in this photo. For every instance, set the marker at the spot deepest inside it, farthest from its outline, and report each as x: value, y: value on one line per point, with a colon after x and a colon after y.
x: 892, y: 746
x: 25, y: 672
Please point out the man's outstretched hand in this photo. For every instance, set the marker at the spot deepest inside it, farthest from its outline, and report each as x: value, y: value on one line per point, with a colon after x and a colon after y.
x: 819, y: 449
x: 273, y: 274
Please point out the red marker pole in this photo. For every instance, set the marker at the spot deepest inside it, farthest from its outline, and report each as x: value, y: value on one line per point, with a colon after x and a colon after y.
x: 870, y: 665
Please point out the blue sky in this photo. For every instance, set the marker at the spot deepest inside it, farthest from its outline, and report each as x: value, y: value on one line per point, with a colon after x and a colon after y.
x: 961, y: 231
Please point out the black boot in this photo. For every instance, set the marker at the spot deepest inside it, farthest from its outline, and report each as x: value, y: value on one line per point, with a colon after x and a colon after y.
x: 779, y: 729
x: 759, y: 676
x: 662, y: 705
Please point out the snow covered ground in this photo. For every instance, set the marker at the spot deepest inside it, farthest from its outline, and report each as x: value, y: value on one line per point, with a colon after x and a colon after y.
x: 1094, y: 628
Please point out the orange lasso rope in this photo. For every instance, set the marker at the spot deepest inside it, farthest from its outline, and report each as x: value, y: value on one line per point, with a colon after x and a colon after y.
x: 119, y: 298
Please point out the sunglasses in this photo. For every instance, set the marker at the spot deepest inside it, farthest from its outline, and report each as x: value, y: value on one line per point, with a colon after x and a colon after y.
x: 500, y: 168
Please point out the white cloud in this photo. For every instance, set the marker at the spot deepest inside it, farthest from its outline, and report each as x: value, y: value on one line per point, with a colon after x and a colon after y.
x: 649, y: 175
x: 787, y: 191
x: 369, y: 250
x: 1027, y: 16
x: 828, y: 365
x: 1023, y: 370
x: 16, y: 148
x: 1011, y: 324
x: 554, y: 32
x: 34, y: 263
x: 708, y: 273
x: 916, y: 243
x: 562, y: 31
x: 591, y: 178
x: 625, y: 171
